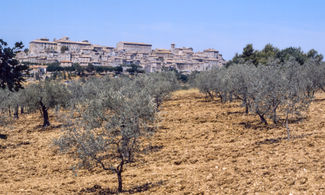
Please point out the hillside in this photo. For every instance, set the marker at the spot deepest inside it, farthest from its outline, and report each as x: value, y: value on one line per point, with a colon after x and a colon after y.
x: 201, y: 147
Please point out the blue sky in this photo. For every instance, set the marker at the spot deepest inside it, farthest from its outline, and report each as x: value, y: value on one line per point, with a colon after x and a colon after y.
x: 226, y: 25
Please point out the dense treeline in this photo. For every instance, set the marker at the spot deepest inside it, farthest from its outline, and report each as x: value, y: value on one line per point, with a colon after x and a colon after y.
x: 56, y: 67
x: 105, y: 117
x: 267, y: 82
x: 262, y: 57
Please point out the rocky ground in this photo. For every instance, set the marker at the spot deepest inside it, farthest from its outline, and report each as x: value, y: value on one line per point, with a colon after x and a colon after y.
x: 201, y: 147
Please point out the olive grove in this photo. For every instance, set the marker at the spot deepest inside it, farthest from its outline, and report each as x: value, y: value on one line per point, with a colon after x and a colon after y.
x: 105, y: 119
x: 266, y: 89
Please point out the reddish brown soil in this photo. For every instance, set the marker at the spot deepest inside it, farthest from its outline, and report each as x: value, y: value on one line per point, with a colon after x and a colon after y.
x: 201, y: 147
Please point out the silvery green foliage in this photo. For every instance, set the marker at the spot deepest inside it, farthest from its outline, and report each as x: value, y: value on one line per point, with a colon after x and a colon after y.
x: 206, y: 82
x: 159, y: 85
x: 266, y: 89
x: 5, y: 104
x: 241, y: 76
x: 115, y: 115
x: 216, y: 82
x: 51, y: 93
x: 45, y: 95
x: 223, y: 86
x: 76, y: 91
x: 5, y: 98
x: 10, y: 101
x: 315, y: 72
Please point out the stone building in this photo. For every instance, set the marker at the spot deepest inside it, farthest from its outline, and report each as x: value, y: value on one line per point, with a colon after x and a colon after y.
x: 67, y: 52
x: 73, y: 46
x: 131, y: 47
x: 42, y: 46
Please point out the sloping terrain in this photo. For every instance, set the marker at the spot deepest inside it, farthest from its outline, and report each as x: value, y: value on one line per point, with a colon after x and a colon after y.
x: 201, y: 147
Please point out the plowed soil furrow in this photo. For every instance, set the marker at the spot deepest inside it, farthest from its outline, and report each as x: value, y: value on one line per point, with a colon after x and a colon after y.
x: 201, y: 147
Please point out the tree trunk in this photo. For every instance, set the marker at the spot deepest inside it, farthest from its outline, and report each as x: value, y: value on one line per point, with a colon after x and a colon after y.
x: 218, y: 95
x: 16, y: 113
x: 262, y: 118
x: 287, y: 126
x: 22, y: 110
x: 274, y: 117
x: 120, y: 184
x: 9, y: 111
x: 157, y: 102
x: 210, y: 94
x: 275, y: 107
x: 46, y: 121
x: 224, y: 94
x: 119, y: 176
x: 230, y: 97
x: 245, y: 103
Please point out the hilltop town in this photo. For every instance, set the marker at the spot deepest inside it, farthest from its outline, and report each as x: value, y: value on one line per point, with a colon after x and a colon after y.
x: 66, y: 53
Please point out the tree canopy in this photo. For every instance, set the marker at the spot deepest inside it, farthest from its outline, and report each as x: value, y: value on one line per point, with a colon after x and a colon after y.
x: 269, y: 52
x: 11, y: 71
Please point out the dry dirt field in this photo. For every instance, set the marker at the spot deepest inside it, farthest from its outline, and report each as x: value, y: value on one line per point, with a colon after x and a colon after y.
x: 201, y: 147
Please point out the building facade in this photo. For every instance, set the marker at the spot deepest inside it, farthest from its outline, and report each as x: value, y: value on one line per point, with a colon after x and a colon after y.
x: 66, y: 52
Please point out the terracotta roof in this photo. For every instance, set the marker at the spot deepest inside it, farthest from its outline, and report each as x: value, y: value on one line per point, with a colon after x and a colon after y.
x: 161, y: 49
x: 210, y: 50
x: 102, y: 46
x: 134, y: 43
x: 73, y: 42
x: 40, y: 41
x: 163, y: 52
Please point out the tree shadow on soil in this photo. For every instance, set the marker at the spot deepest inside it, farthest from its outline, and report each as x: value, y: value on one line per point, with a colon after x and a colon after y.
x: 206, y: 100
x: 319, y: 100
x: 14, y: 146
x: 3, y: 136
x: 151, y: 148
x: 258, y: 125
x: 236, y: 112
x: 279, y: 139
x: 51, y: 127
x: 97, y: 189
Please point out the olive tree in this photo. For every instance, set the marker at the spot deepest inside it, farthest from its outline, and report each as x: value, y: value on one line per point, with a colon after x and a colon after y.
x: 5, y: 104
x: 265, y: 88
x: 240, y: 77
x: 45, y: 95
x: 296, y: 97
x: 206, y: 82
x: 112, y: 125
x: 159, y: 85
